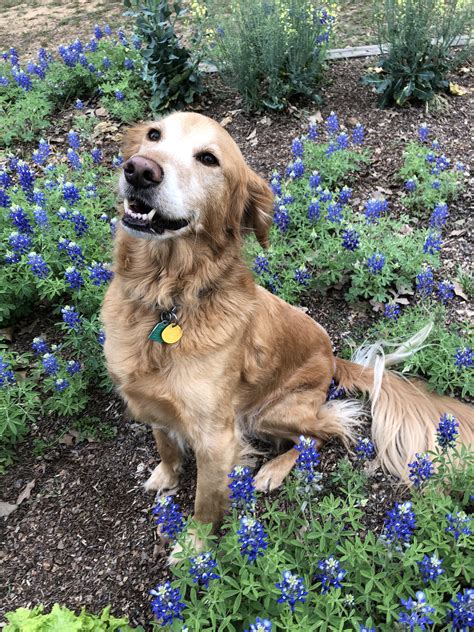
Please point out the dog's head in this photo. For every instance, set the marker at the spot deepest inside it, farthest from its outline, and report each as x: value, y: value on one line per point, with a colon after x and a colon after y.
x: 184, y: 175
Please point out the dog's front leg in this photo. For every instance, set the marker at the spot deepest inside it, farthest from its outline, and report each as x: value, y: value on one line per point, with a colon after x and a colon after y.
x: 165, y: 476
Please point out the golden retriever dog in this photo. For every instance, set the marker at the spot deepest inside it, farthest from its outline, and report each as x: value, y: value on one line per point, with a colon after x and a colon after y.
x: 204, y: 355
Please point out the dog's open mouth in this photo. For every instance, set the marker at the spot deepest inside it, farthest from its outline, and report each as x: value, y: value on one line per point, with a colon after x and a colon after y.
x: 141, y: 217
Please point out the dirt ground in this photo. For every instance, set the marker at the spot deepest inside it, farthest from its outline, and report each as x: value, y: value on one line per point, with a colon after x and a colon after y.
x: 84, y: 535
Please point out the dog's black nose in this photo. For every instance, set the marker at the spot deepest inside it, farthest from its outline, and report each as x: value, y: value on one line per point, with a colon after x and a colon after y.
x: 142, y: 172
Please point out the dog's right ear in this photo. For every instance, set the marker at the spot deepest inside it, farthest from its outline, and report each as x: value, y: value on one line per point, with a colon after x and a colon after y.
x: 258, y: 209
x: 132, y: 139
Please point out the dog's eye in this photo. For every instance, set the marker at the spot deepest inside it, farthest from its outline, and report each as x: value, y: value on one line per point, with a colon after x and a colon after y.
x: 154, y: 135
x: 207, y: 159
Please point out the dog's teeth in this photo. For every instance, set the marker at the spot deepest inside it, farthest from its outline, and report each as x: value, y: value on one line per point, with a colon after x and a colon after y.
x: 151, y: 214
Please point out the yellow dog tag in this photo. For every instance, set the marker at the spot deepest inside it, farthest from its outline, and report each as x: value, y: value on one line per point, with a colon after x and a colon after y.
x: 171, y: 334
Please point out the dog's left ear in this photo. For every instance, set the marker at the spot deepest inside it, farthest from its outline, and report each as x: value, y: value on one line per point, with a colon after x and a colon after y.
x: 258, y: 209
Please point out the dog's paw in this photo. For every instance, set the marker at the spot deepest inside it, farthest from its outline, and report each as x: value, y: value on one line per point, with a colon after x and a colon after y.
x: 272, y: 474
x: 162, y: 478
x: 196, y: 544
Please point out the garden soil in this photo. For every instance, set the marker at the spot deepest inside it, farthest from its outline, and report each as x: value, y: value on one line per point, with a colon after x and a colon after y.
x: 82, y: 533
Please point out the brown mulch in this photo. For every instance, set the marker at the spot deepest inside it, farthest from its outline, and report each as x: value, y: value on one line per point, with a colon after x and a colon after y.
x: 85, y: 535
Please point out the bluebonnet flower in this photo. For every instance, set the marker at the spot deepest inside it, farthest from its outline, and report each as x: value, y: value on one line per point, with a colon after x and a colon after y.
x: 50, y: 364
x: 242, y: 489
x: 73, y: 278
x: 107, y: 29
x: 122, y: 38
x: 375, y: 263
x: 23, y: 80
x: 13, y: 162
x: 14, y: 57
x: 93, y: 45
x: 275, y: 183
x: 73, y: 367
x: 79, y: 222
x: 252, y: 538
x: 25, y: 176
x: 113, y: 226
x: 342, y: 140
x: 435, y: 145
x: 38, y: 265
x: 335, y: 213
x: 312, y: 132
x: 331, y: 574
x: 436, y: 184
x: 74, y: 159
x: 292, y: 590
x: 421, y: 469
x: 458, y: 524
x: 106, y: 63
x: 350, y: 239
x: 314, y: 210
x: 60, y: 384
x: 331, y: 149
x: 136, y: 42
x: 4, y: 199
x: 261, y: 264
x: 447, y: 431
x: 71, y: 193
x: 463, y: 358
x: 79, y: 105
x: 295, y: 170
x: 64, y: 214
x: 324, y: 195
x: 399, y: 524
x: 98, y: 32
x: 358, y: 134
x: 391, y: 311
x: 19, y: 242
x: 6, y: 374
x: 302, y: 276
x: 439, y: 216
x: 374, y: 209
x: 425, y: 283
x: 11, y: 257
x: 71, y: 317
x: 297, y: 148
x: 20, y: 219
x: 308, y: 459
x: 345, y: 195
x: 335, y: 392
x: 281, y: 218
x: 430, y: 157
x: 430, y: 568
x: 96, y: 154
x: 99, y: 274
x: 41, y: 217
x: 73, y: 139
x: 34, y: 69
x: 445, y: 291
x: 117, y: 161
x: 5, y: 179
x: 460, y: 166
x: 364, y: 449
x: 202, y: 569
x: 119, y: 95
x: 416, y: 613
x: 442, y: 163
x: 260, y: 625
x: 461, y: 615
x: 39, y: 197
x: 410, y: 185
x: 168, y: 517
x: 101, y: 337
x: 128, y: 64
x: 3, y: 81
x: 314, y: 180
x: 167, y: 604
x: 43, y: 152
x: 364, y: 628
x: 332, y: 123
x: 432, y: 244
x: 39, y: 346
x: 423, y: 132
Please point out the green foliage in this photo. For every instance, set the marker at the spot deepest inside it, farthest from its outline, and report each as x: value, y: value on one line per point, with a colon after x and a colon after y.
x: 24, y: 115
x: 169, y: 67
x: 419, y: 162
x: 315, y: 525
x: 270, y: 50
x: 419, y: 34
x: 62, y: 619
x: 436, y: 360
x: 94, y: 428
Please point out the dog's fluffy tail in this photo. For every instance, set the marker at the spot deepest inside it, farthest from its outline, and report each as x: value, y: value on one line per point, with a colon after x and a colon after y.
x: 405, y: 414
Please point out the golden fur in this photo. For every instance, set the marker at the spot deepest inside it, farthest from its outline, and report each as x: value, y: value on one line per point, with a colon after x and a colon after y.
x: 248, y: 362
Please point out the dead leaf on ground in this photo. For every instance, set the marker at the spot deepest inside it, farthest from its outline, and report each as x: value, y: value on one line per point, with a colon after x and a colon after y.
x: 26, y: 493
x: 7, y: 333
x: 456, y: 90
x: 101, y: 112
x: 402, y: 301
x: 459, y: 291
x: 252, y: 134
x: 226, y: 121
x: 317, y: 117
x: 6, y: 509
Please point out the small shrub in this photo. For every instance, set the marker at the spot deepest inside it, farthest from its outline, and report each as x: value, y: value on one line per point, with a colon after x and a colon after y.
x: 61, y: 618
x: 419, y: 34
x: 169, y: 67
x: 270, y: 50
